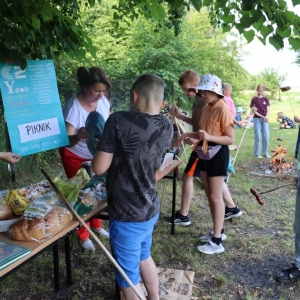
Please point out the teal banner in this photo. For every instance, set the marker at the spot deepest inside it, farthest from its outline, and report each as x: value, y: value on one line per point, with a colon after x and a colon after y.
x: 32, y: 107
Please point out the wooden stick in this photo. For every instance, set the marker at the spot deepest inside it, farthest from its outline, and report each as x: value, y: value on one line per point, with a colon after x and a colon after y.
x: 163, y: 193
x: 93, y: 235
x: 182, y: 143
x: 237, y: 151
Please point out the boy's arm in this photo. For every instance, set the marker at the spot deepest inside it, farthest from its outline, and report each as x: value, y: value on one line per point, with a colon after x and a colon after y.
x: 101, y: 162
x: 174, y: 111
x: 297, y: 119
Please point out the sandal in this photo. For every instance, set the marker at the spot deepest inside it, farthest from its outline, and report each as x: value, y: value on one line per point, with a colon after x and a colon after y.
x: 288, y: 275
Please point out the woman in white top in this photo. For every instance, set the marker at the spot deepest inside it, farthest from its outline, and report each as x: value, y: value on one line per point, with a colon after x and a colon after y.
x: 93, y: 83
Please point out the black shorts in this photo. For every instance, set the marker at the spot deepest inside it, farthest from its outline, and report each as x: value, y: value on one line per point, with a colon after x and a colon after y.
x: 192, y: 167
x: 218, y: 165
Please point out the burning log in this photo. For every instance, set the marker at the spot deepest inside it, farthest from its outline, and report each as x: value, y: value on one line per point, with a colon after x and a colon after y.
x: 278, y: 163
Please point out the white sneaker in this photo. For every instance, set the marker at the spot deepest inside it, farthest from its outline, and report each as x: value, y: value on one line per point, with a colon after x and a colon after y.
x: 259, y: 156
x: 103, y: 232
x: 211, y: 248
x: 268, y: 156
x: 88, y: 245
x: 208, y: 237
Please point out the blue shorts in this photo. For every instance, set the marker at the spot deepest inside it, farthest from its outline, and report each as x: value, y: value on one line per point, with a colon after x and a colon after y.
x: 130, y: 244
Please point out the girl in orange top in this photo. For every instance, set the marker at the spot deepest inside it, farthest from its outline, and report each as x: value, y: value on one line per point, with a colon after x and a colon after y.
x: 216, y: 123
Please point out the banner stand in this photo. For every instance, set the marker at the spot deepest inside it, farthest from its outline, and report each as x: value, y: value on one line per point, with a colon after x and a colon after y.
x: 11, y: 167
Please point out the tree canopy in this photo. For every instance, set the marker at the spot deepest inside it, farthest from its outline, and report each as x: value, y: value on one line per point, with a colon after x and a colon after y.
x: 38, y: 29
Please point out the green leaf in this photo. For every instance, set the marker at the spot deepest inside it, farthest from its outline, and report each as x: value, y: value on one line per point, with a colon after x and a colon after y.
x: 115, y: 16
x: 229, y: 19
x: 284, y: 33
x: 161, y: 14
x: 290, y: 16
x: 176, y: 3
x: 282, y: 4
x: 258, y: 25
x: 263, y: 40
x: 197, y: 4
x: 221, y: 3
x: 247, y: 5
x: 295, y: 43
x: 226, y: 27
x: 266, y: 30
x: 46, y: 11
x: 276, y: 41
x: 246, y: 20
x: 249, y: 35
x: 206, y: 2
x: 295, y: 2
x: 92, y: 3
x: 35, y: 21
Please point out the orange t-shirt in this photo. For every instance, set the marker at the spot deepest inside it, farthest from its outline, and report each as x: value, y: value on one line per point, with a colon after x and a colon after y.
x: 214, y: 119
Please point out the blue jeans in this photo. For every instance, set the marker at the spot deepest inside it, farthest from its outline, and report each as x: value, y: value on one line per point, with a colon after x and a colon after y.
x: 261, y: 128
x: 297, y: 225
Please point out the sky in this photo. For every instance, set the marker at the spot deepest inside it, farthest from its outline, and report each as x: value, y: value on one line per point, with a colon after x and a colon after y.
x: 261, y: 57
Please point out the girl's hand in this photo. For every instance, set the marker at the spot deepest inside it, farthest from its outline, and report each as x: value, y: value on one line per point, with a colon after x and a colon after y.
x: 9, y: 157
x: 203, y: 135
x: 82, y: 134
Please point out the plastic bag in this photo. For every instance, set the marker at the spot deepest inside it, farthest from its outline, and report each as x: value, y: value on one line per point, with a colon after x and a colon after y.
x: 43, y: 218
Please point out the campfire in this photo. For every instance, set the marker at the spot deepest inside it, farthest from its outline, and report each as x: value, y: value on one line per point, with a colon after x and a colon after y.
x: 278, y: 163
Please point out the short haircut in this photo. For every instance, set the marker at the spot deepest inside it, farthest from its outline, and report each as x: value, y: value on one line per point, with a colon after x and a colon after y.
x: 88, y: 77
x: 261, y: 85
x: 280, y: 113
x: 188, y: 76
x: 226, y: 86
x: 149, y: 86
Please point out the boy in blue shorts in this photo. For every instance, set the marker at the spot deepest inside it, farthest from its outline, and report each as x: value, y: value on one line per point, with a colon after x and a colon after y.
x: 131, y: 150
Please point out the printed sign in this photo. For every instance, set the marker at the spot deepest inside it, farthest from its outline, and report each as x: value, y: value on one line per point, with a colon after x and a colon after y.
x: 32, y: 107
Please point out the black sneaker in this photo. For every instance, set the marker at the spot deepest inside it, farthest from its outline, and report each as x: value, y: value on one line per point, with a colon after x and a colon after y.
x: 232, y: 213
x: 288, y: 275
x: 179, y: 219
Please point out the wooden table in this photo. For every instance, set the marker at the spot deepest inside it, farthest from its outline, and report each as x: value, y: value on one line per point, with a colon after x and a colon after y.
x: 164, y: 174
x: 38, y: 247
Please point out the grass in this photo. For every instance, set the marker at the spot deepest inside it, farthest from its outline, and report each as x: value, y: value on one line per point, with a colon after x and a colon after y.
x: 259, y: 244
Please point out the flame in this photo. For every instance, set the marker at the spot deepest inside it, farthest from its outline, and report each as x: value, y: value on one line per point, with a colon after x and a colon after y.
x: 278, y: 164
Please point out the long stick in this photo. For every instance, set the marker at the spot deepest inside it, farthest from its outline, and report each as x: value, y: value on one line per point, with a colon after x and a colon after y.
x: 237, y: 151
x: 93, y: 235
x: 182, y: 143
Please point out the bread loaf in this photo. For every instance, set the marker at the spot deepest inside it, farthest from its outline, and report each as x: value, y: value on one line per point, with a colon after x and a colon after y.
x: 40, y: 228
x: 18, y: 230
x: 36, y: 229
x: 5, y: 211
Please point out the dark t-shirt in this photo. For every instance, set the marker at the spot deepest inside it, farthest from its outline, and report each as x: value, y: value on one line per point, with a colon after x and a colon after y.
x: 288, y: 121
x: 139, y: 142
x: 261, y: 105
